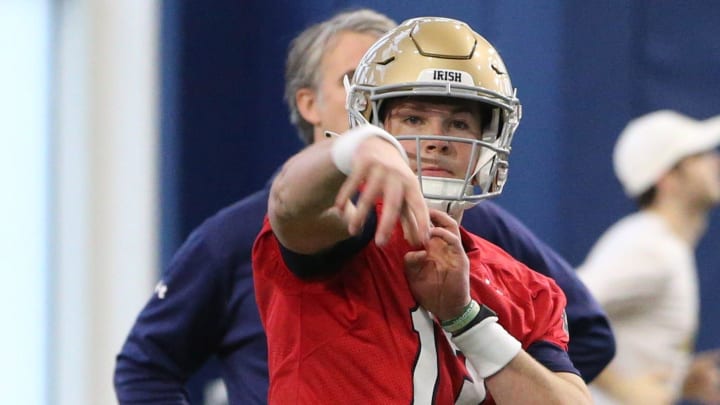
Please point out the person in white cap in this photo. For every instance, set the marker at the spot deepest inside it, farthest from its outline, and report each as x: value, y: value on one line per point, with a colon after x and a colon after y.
x: 642, y: 269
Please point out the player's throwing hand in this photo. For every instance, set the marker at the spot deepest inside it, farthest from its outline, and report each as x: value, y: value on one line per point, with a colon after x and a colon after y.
x: 378, y: 166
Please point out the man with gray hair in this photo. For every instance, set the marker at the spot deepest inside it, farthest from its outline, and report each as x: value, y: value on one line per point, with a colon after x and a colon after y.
x: 206, y: 306
x: 209, y: 306
x: 318, y: 60
x: 642, y: 269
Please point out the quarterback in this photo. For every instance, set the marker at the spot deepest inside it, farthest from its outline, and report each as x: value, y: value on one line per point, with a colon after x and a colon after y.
x: 368, y: 288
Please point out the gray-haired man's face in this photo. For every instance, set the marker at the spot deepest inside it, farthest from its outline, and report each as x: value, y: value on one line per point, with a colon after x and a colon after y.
x: 326, y: 109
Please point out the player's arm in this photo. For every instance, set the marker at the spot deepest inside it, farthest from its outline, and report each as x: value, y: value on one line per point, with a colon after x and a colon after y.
x: 541, y: 375
x: 310, y: 206
x: 592, y: 345
x: 525, y: 381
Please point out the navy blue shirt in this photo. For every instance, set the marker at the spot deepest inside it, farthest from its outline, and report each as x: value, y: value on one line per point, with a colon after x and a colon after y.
x: 204, y: 306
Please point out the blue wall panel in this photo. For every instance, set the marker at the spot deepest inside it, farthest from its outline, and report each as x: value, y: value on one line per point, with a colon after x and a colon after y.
x: 582, y: 69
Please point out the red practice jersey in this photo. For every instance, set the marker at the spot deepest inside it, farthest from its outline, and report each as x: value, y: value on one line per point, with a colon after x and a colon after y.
x: 358, y: 336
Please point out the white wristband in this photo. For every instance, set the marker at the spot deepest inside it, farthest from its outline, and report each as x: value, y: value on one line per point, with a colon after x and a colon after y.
x: 343, y: 150
x: 488, y: 346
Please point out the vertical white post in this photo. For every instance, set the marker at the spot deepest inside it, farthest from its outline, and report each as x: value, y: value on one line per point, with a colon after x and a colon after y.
x: 24, y: 181
x: 105, y: 244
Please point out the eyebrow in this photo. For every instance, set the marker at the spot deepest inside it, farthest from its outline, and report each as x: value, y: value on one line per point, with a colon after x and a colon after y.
x: 423, y: 106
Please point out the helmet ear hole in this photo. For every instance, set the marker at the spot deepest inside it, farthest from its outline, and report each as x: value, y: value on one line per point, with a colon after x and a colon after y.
x: 359, y: 102
x: 501, y: 175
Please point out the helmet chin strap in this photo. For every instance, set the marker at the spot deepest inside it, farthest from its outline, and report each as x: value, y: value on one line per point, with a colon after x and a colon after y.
x: 439, y: 187
x: 452, y: 208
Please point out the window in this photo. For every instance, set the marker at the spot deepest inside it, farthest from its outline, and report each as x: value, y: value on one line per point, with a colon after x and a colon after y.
x: 25, y: 66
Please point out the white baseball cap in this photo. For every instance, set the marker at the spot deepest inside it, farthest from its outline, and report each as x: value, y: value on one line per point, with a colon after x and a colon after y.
x: 652, y: 144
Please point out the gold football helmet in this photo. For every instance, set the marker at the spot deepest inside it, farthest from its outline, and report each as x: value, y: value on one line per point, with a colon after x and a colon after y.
x: 432, y: 56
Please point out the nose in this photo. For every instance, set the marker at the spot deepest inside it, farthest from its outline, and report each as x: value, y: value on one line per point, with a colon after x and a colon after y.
x: 437, y: 145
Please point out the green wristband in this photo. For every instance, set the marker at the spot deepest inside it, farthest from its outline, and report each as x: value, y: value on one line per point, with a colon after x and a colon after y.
x: 469, y: 313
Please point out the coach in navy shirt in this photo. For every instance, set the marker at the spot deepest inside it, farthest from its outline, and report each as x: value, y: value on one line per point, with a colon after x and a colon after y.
x: 204, y: 305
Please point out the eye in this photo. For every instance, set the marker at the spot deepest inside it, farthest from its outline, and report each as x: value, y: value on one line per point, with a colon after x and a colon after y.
x: 412, y: 120
x: 459, y: 124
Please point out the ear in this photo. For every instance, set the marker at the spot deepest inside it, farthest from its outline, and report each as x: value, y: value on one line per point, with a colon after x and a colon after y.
x: 306, y: 100
x: 669, y: 182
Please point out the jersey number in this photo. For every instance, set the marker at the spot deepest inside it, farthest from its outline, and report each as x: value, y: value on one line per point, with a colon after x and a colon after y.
x: 425, y: 374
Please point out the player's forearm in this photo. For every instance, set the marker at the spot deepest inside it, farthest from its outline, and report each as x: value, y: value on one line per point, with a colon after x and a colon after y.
x: 301, y: 199
x: 307, y: 183
x: 525, y: 381
x: 511, y: 374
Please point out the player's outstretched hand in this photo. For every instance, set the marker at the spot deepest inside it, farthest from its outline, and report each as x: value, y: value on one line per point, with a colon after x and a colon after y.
x: 384, y: 174
x: 438, y: 274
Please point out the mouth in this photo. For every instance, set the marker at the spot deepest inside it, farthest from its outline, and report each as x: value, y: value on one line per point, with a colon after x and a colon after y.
x: 436, y: 171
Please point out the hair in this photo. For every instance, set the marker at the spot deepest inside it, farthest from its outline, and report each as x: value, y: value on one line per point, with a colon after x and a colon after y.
x: 302, y: 68
x: 485, y: 110
x: 646, y: 198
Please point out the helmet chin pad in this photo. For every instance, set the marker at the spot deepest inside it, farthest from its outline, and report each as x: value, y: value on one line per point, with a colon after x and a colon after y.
x: 447, y: 194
